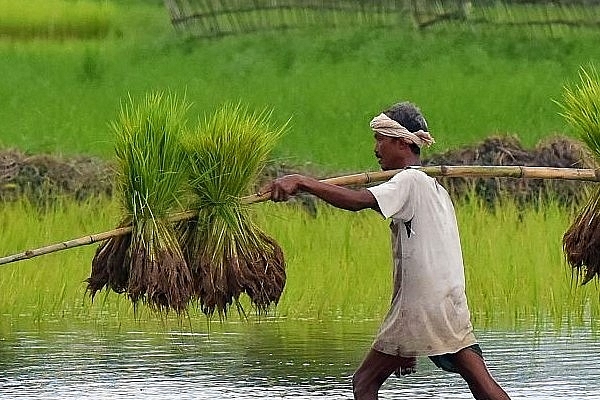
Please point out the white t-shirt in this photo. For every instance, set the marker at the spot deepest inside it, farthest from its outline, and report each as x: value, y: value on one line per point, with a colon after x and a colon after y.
x: 429, y: 313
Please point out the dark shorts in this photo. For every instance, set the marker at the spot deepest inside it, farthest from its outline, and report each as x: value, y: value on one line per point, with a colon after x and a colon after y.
x: 444, y: 361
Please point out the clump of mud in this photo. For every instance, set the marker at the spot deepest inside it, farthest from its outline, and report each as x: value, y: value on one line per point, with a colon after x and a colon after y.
x: 556, y: 151
x: 44, y: 178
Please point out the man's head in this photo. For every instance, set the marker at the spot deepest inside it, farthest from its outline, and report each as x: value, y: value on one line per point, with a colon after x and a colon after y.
x: 400, y: 131
x: 409, y: 116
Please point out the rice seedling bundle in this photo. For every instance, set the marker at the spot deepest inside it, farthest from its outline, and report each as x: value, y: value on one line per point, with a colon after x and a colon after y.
x: 228, y: 253
x: 148, y: 263
x: 581, y: 242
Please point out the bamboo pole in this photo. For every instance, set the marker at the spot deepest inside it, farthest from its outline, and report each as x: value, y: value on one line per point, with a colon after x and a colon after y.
x: 365, y: 178
x: 458, y: 171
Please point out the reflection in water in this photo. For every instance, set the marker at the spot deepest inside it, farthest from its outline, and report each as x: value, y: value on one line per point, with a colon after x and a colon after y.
x: 275, y: 360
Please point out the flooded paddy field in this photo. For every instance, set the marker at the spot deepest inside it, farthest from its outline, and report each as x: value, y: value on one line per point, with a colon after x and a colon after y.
x: 276, y: 360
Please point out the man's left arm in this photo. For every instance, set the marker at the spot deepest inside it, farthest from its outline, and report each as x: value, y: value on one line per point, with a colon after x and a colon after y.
x: 338, y: 196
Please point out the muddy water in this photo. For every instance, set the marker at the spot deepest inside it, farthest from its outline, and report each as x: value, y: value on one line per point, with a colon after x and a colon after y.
x: 275, y: 360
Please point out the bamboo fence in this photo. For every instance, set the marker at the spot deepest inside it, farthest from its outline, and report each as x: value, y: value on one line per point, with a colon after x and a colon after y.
x: 365, y: 178
x: 213, y: 18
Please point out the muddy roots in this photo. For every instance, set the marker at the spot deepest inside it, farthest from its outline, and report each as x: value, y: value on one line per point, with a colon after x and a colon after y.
x: 581, y: 242
x: 265, y: 274
x: 159, y: 277
x: 110, y: 266
x: 217, y: 286
x: 146, y: 271
x: 255, y: 267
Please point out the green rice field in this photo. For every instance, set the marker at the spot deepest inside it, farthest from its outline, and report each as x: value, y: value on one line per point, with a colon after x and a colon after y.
x: 60, y: 91
x: 60, y: 94
x: 338, y: 267
x: 55, y: 19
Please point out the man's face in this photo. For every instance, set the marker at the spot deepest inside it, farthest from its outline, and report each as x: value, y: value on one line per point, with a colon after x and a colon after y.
x: 390, y: 152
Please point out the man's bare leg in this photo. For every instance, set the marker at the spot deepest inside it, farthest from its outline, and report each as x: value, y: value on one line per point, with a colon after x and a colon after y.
x: 374, y: 370
x: 472, y: 368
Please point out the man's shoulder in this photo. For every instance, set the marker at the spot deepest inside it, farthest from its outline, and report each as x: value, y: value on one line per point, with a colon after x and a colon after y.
x: 412, y: 173
x: 417, y: 180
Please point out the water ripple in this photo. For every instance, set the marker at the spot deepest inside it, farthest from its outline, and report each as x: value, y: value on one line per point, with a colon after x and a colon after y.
x: 276, y: 361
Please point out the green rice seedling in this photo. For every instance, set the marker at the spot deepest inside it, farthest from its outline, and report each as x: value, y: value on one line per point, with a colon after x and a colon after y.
x: 148, y: 263
x: 581, y: 242
x: 338, y: 264
x: 338, y: 268
x: 227, y: 252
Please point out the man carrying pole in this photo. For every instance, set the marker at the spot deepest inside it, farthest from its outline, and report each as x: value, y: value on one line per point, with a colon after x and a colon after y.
x: 429, y: 315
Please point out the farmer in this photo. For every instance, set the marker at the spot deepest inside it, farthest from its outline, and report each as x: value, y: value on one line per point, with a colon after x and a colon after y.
x: 429, y: 314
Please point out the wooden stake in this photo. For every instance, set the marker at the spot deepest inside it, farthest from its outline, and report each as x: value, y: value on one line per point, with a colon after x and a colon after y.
x: 365, y: 178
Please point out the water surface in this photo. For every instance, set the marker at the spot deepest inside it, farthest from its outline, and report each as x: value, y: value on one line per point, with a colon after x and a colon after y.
x: 275, y: 360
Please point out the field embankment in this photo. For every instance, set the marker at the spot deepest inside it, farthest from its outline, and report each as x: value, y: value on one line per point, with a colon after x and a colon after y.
x: 46, y: 178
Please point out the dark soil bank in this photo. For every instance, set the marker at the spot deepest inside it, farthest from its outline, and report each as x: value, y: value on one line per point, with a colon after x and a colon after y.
x: 43, y: 178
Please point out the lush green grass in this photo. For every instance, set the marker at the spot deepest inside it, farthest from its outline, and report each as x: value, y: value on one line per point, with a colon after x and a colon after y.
x: 339, y: 267
x: 471, y: 81
x: 54, y: 19
x: 516, y: 271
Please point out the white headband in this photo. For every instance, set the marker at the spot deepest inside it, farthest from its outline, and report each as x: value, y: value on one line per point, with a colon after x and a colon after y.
x: 386, y: 126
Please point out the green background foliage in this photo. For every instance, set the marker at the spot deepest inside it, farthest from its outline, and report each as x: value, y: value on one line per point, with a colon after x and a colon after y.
x: 58, y: 94
x: 470, y: 80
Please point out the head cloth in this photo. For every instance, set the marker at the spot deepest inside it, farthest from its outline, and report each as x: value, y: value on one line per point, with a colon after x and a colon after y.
x: 386, y: 126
